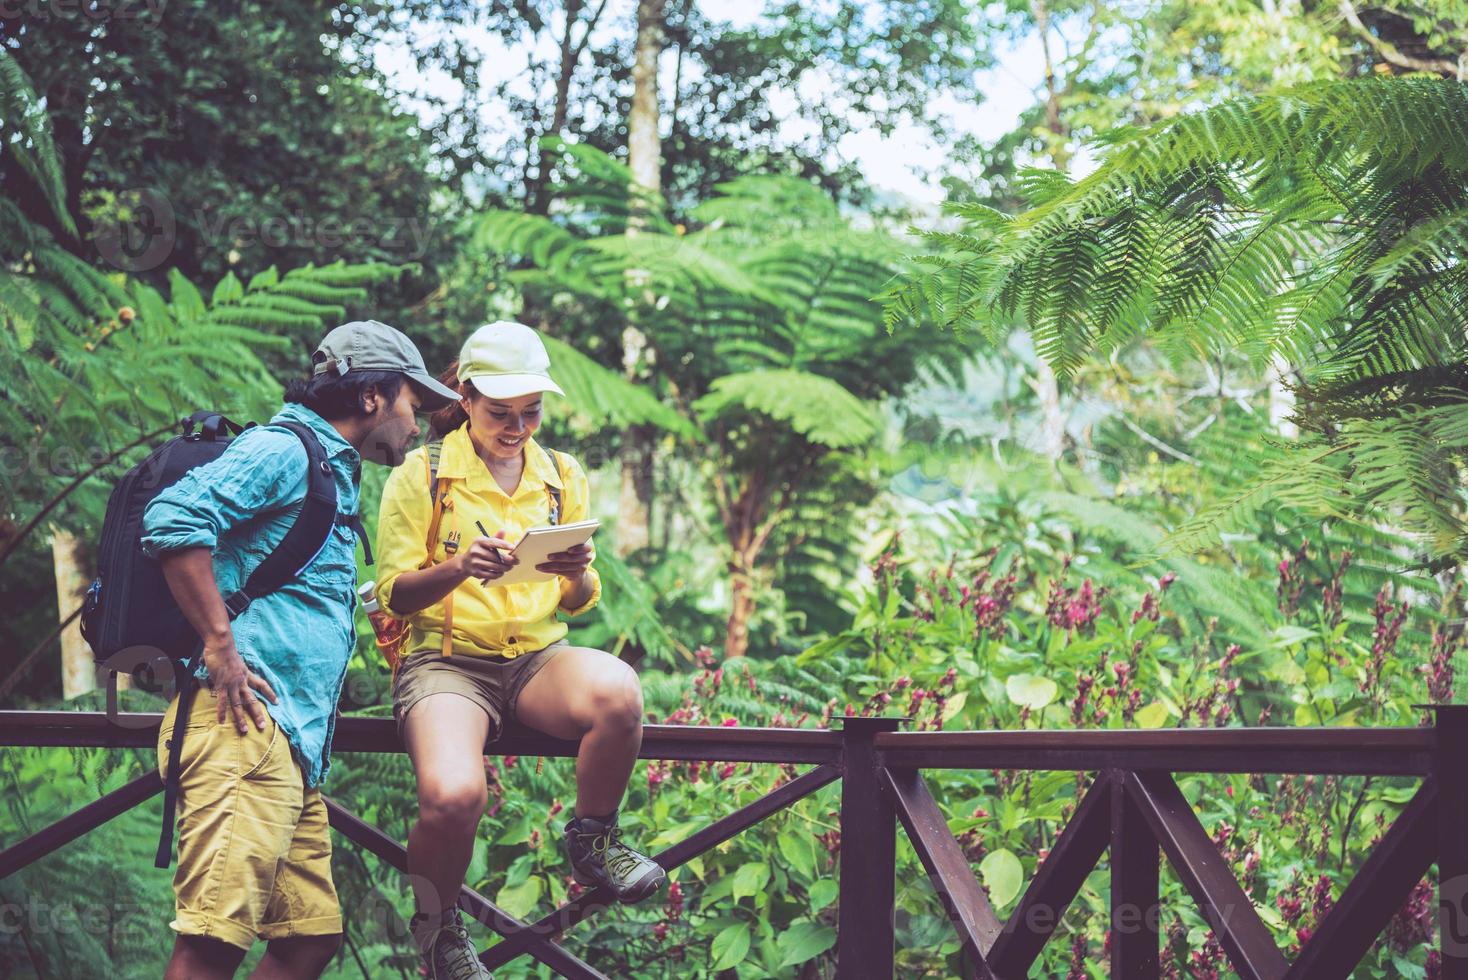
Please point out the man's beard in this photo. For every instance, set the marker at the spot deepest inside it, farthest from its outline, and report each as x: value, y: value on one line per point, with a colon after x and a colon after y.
x: 388, y: 444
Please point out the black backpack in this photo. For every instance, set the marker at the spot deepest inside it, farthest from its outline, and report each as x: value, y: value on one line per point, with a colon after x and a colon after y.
x: 129, y: 608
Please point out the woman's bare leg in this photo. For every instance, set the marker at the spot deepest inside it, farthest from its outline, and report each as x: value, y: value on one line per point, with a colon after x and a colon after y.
x: 445, y: 734
x: 590, y: 695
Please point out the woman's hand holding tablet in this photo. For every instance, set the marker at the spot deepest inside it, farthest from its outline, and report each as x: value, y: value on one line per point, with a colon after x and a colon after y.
x: 546, y: 552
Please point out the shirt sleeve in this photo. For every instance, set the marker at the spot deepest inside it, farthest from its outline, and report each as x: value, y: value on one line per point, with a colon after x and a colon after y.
x: 402, y: 526
x: 262, y: 470
x: 577, y: 490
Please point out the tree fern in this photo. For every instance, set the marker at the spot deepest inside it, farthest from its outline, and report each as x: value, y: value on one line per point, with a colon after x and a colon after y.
x: 25, y: 137
x: 1324, y: 224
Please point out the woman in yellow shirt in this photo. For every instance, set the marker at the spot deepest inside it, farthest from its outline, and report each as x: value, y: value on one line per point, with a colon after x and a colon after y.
x: 479, y: 655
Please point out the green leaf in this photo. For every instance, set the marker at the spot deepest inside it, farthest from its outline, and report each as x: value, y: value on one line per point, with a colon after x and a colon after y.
x: 227, y: 290
x: 797, y: 850
x: 1030, y: 691
x: 1003, y: 876
x: 954, y: 705
x: 829, y: 647
x: 261, y: 280
x: 188, y: 303
x: 730, y: 946
x: 750, y: 878
x: 25, y: 329
x: 814, y: 406
x: 1289, y: 635
x: 804, y: 940
x: 1154, y: 715
x: 519, y: 900
x: 823, y: 893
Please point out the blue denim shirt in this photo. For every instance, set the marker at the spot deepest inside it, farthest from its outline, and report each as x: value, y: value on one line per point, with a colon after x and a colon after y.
x: 300, y: 637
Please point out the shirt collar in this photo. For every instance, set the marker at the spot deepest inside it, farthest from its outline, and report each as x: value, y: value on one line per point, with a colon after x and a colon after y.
x: 459, y: 461
x: 330, y: 439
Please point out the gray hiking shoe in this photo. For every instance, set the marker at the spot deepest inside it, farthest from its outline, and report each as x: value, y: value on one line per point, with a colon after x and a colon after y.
x: 598, y: 857
x: 448, y: 953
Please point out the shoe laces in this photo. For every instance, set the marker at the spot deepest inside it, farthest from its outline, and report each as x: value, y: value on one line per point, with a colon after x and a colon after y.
x: 616, y: 857
x: 461, y: 959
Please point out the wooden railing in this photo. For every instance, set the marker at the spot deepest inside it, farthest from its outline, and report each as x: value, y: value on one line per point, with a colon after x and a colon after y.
x: 1132, y: 808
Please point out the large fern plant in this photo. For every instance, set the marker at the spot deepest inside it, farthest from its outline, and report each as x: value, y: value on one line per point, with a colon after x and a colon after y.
x: 764, y: 340
x: 95, y: 365
x: 1324, y: 226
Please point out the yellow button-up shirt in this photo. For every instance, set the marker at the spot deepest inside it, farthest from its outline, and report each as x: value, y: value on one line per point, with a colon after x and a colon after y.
x: 499, y: 620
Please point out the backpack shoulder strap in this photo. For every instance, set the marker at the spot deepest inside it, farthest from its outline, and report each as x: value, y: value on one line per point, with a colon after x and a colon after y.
x: 438, y: 494
x: 307, y: 535
x: 555, y: 492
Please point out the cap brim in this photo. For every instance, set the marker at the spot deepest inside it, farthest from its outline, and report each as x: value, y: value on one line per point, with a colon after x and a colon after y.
x: 514, y: 385
x: 433, y: 394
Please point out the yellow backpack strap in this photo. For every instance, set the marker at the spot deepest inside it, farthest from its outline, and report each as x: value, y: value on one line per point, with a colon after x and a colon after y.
x: 555, y: 492
x: 438, y: 492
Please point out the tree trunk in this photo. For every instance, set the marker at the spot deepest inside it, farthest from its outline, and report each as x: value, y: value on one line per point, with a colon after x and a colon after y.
x: 537, y: 201
x: 644, y: 145
x: 644, y: 158
x: 1052, y: 419
x: 78, y: 674
x: 1047, y: 387
x: 741, y: 611
x: 1281, y: 398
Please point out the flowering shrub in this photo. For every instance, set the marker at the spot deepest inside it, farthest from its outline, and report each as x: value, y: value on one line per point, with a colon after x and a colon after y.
x: 995, y: 642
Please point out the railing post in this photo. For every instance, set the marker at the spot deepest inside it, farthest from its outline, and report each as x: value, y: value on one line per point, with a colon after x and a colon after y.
x: 865, y: 934
x: 1135, y: 862
x: 1450, y: 755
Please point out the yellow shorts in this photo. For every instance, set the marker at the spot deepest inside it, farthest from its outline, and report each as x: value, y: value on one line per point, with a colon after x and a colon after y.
x: 254, y: 847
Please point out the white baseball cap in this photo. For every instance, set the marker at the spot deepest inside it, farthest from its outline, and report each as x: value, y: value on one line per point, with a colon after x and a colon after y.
x: 506, y: 359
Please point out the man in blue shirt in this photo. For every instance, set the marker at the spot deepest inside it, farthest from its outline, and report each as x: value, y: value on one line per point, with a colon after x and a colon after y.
x: 254, y: 851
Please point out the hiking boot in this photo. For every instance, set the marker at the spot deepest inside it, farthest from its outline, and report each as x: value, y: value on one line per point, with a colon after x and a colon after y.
x: 598, y: 857
x: 448, y: 953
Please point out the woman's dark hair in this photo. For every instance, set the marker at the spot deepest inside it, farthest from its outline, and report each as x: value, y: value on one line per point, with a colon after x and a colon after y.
x: 339, y: 396
x: 447, y: 419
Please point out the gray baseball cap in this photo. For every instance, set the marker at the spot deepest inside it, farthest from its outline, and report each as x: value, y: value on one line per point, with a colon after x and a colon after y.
x: 367, y: 345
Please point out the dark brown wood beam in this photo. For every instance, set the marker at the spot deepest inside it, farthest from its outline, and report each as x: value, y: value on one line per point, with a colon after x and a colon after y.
x: 947, y: 866
x: 74, y: 825
x: 1136, y: 941
x: 1385, y: 879
x: 354, y: 828
x: 1202, y: 870
x: 1056, y: 884
x: 596, y: 900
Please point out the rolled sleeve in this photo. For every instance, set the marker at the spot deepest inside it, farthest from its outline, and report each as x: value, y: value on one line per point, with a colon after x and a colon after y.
x: 578, y: 508
x: 590, y: 603
x: 262, y: 470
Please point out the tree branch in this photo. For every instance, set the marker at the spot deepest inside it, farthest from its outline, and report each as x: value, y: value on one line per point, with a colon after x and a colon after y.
x: 1396, y: 56
x: 54, y: 502
x: 29, y: 659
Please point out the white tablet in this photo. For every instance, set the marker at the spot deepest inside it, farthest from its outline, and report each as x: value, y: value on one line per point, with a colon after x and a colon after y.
x: 538, y: 544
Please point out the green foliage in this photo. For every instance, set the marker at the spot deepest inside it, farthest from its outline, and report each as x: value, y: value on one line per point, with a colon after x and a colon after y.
x: 815, y: 407
x: 25, y: 136
x: 259, y: 166
x: 1318, y: 225
x: 759, y: 326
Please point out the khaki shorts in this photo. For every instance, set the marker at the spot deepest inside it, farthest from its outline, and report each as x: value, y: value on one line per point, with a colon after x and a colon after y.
x: 254, y: 848
x: 493, y: 684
